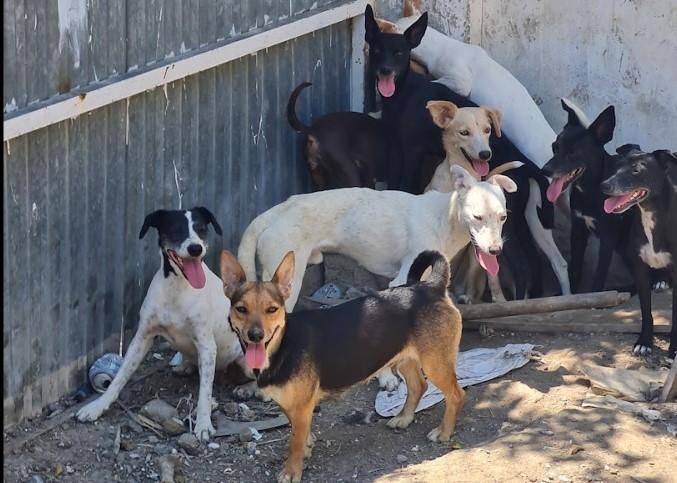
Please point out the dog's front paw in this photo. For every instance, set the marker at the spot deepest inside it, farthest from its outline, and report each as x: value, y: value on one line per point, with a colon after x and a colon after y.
x: 92, y: 411
x: 388, y: 381
x: 464, y: 299
x: 643, y: 346
x: 203, y: 428
x: 290, y: 475
x: 401, y: 421
x: 437, y: 436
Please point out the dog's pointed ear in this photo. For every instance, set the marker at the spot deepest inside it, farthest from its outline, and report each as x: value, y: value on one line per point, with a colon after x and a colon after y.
x: 503, y: 182
x: 627, y: 148
x: 414, y: 34
x: 572, y: 119
x: 232, y: 274
x: 442, y: 112
x: 665, y: 158
x: 210, y: 217
x: 371, y: 29
x: 494, y: 116
x: 602, y: 128
x: 284, y: 275
x: 152, y: 220
x: 461, y: 180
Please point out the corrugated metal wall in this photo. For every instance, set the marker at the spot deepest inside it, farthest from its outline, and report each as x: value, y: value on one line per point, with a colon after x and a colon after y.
x: 76, y: 193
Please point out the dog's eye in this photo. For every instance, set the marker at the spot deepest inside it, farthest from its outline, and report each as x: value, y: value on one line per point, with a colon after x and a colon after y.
x: 504, y: 217
x: 465, y: 132
x: 477, y: 217
x: 241, y: 308
x: 487, y: 130
x: 272, y: 309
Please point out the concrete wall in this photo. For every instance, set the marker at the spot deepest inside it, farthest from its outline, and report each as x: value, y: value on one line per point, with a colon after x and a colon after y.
x: 620, y: 52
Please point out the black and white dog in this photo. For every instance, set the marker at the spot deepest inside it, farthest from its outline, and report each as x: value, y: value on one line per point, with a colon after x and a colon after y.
x: 185, y: 304
x: 648, y: 180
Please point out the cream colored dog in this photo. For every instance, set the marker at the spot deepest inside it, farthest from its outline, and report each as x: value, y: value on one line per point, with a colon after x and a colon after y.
x: 383, y: 231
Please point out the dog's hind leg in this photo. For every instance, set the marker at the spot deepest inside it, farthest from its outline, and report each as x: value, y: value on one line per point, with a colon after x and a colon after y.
x: 440, y: 368
x: 416, y: 385
x: 543, y: 238
x: 136, y: 352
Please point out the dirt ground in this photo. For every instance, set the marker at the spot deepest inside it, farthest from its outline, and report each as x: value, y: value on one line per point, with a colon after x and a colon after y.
x: 526, y: 426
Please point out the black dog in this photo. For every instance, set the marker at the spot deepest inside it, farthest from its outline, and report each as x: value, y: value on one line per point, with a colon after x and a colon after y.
x: 343, y: 149
x: 580, y: 161
x: 416, y: 142
x: 648, y: 180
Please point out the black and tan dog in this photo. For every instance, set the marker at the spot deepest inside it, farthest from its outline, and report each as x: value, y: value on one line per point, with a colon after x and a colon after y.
x: 303, y: 357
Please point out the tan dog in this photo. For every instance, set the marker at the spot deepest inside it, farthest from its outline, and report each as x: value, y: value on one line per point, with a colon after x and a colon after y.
x: 465, y: 136
x: 303, y: 357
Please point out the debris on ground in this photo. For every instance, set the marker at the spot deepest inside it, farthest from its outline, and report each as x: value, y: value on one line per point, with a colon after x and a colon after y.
x: 630, y: 385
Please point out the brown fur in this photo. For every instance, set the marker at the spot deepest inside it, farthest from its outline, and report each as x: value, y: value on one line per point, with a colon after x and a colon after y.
x: 432, y: 345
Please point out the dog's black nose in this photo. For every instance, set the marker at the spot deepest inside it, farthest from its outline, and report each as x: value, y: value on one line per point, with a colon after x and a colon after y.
x: 195, y: 250
x: 385, y: 71
x: 255, y: 334
x: 495, y: 251
x: 485, y: 155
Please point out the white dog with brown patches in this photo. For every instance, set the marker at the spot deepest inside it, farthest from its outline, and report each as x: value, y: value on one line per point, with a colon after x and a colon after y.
x: 383, y: 231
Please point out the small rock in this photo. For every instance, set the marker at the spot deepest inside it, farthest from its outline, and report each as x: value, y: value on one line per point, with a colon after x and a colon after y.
x: 546, y: 432
x: 162, y: 449
x: 189, y: 443
x: 152, y: 439
x: 245, y: 413
x: 230, y: 408
x: 134, y: 426
x: 134, y: 456
x: 127, y: 445
x: 415, y: 449
x: 246, y: 435
x: 36, y: 479
x: 159, y: 410
x: 564, y: 478
x: 250, y: 447
x: 401, y: 458
x: 213, y: 445
x: 173, y: 426
x: 575, y: 449
x: 58, y: 470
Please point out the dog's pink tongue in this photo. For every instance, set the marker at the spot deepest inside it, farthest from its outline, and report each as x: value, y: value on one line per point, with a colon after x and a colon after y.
x: 386, y: 85
x: 555, y: 189
x: 192, y: 267
x: 255, y: 356
x: 487, y: 262
x: 481, y: 167
x: 612, y: 203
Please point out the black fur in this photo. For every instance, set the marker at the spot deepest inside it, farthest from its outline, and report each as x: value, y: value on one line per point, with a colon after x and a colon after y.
x: 371, y: 329
x: 656, y: 173
x: 417, y: 149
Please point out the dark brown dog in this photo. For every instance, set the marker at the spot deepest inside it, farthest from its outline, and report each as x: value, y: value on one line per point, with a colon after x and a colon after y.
x: 343, y: 149
x: 303, y: 357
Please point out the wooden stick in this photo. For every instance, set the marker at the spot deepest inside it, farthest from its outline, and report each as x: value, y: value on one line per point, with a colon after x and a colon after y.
x: 543, y: 305
x: 670, y: 388
x: 581, y: 320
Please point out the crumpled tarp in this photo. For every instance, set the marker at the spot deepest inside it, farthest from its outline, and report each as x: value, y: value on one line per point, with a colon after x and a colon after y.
x: 474, y: 366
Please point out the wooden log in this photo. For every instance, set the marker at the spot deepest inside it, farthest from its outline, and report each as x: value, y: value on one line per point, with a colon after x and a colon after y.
x: 622, y: 320
x: 543, y: 305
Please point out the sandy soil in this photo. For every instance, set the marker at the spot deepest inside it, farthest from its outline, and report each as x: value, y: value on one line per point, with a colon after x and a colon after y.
x: 526, y: 426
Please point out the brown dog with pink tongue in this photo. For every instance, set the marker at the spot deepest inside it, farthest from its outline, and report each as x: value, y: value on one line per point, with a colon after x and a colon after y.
x: 303, y: 357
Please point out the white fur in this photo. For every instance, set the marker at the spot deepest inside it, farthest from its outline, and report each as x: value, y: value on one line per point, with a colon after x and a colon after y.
x: 647, y: 252
x: 582, y: 118
x: 469, y: 71
x: 195, y: 322
x: 589, y: 221
x: 383, y: 231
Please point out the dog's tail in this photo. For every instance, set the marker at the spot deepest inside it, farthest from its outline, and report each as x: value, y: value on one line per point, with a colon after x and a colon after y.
x: 294, y: 121
x: 546, y: 212
x: 440, y: 269
x: 246, y: 252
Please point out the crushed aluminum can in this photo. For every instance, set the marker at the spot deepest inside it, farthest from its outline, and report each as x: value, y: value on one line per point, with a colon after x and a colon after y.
x: 103, y: 371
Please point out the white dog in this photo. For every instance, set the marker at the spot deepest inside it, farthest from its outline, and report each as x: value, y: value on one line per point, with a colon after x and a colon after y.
x: 383, y: 231
x: 185, y: 304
